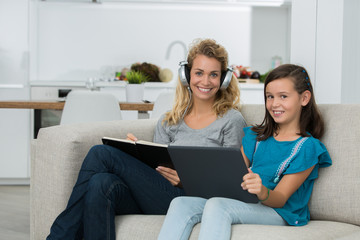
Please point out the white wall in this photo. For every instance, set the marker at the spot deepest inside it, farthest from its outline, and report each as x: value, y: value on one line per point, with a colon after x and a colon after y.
x: 350, y: 79
x: 303, y: 35
x: 329, y: 44
x: 270, y: 36
x: 325, y: 39
x: 75, y: 41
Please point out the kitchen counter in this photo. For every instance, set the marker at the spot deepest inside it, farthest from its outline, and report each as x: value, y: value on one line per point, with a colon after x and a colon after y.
x: 121, y: 84
x: 98, y: 84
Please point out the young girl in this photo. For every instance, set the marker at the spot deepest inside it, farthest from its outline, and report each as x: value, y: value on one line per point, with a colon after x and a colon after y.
x: 111, y: 182
x: 283, y: 154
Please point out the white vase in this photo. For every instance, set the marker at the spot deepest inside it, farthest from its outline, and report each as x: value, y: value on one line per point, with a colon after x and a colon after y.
x: 134, y: 92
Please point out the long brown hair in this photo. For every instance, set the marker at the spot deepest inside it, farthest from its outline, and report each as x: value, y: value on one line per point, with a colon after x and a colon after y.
x: 225, y: 99
x: 311, y: 120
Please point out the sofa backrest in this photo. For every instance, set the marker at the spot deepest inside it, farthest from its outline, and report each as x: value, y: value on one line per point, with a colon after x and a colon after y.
x: 336, y: 192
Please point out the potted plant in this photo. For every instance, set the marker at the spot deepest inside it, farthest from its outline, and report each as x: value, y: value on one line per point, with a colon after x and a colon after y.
x: 135, y: 86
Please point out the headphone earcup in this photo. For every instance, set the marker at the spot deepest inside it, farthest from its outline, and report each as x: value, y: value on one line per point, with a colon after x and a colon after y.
x: 184, y: 73
x: 226, y: 78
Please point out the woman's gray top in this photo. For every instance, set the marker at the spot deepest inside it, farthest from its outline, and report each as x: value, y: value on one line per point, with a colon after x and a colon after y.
x: 226, y: 131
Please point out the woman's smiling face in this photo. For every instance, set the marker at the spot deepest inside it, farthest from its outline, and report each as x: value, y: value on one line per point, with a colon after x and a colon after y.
x: 205, y: 77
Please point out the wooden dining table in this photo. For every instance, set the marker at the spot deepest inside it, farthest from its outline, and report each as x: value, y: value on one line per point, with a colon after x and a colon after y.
x: 39, y: 105
x: 59, y: 105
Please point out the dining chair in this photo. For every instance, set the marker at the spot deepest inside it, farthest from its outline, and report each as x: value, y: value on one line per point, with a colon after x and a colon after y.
x: 90, y: 106
x: 163, y: 103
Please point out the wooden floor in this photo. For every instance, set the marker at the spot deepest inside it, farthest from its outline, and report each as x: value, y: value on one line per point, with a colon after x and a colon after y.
x: 15, y: 212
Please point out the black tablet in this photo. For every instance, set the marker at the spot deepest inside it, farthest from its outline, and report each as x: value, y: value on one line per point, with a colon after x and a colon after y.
x: 211, y: 172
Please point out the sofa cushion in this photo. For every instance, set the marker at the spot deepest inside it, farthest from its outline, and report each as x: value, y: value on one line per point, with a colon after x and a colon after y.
x: 336, y: 192
x: 140, y: 227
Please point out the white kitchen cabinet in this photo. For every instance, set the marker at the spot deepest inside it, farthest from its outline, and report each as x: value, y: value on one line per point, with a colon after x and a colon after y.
x: 14, y: 76
x: 251, y: 93
x: 14, y: 139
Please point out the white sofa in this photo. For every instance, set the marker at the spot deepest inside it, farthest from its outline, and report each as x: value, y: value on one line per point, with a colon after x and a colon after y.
x: 58, y: 152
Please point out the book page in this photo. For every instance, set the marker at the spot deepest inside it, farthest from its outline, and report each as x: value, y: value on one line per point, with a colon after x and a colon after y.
x: 151, y: 143
x: 119, y: 140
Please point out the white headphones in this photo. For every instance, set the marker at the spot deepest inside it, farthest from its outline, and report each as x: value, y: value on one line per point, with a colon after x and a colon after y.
x: 184, y: 74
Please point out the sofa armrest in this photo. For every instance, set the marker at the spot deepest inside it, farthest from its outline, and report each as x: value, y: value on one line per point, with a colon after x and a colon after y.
x: 56, y: 157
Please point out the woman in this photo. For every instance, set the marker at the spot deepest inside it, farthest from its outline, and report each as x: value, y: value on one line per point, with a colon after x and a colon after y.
x: 110, y: 182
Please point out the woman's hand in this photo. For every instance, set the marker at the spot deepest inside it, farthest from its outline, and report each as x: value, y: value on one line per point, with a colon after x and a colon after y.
x: 253, y: 184
x: 131, y: 137
x: 170, y: 174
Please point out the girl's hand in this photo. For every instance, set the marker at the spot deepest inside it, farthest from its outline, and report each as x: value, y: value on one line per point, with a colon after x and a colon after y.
x: 252, y: 183
x: 170, y: 174
x: 131, y: 137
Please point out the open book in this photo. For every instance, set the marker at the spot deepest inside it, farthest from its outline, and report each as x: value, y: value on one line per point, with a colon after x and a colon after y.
x: 152, y: 154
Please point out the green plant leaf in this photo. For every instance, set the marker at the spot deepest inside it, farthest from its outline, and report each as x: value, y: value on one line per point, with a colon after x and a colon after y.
x: 135, y: 77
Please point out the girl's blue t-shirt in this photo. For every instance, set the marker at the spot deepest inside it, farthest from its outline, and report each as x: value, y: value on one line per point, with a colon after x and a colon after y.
x: 269, y: 159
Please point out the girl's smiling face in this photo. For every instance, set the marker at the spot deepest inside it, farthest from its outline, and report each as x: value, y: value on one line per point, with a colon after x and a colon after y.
x: 284, y: 103
x: 205, y: 77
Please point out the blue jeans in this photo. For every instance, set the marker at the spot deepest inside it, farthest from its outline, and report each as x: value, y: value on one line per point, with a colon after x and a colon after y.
x: 110, y: 183
x: 216, y: 216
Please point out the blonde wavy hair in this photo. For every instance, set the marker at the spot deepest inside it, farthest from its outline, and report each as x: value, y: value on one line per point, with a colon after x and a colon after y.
x: 225, y: 99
